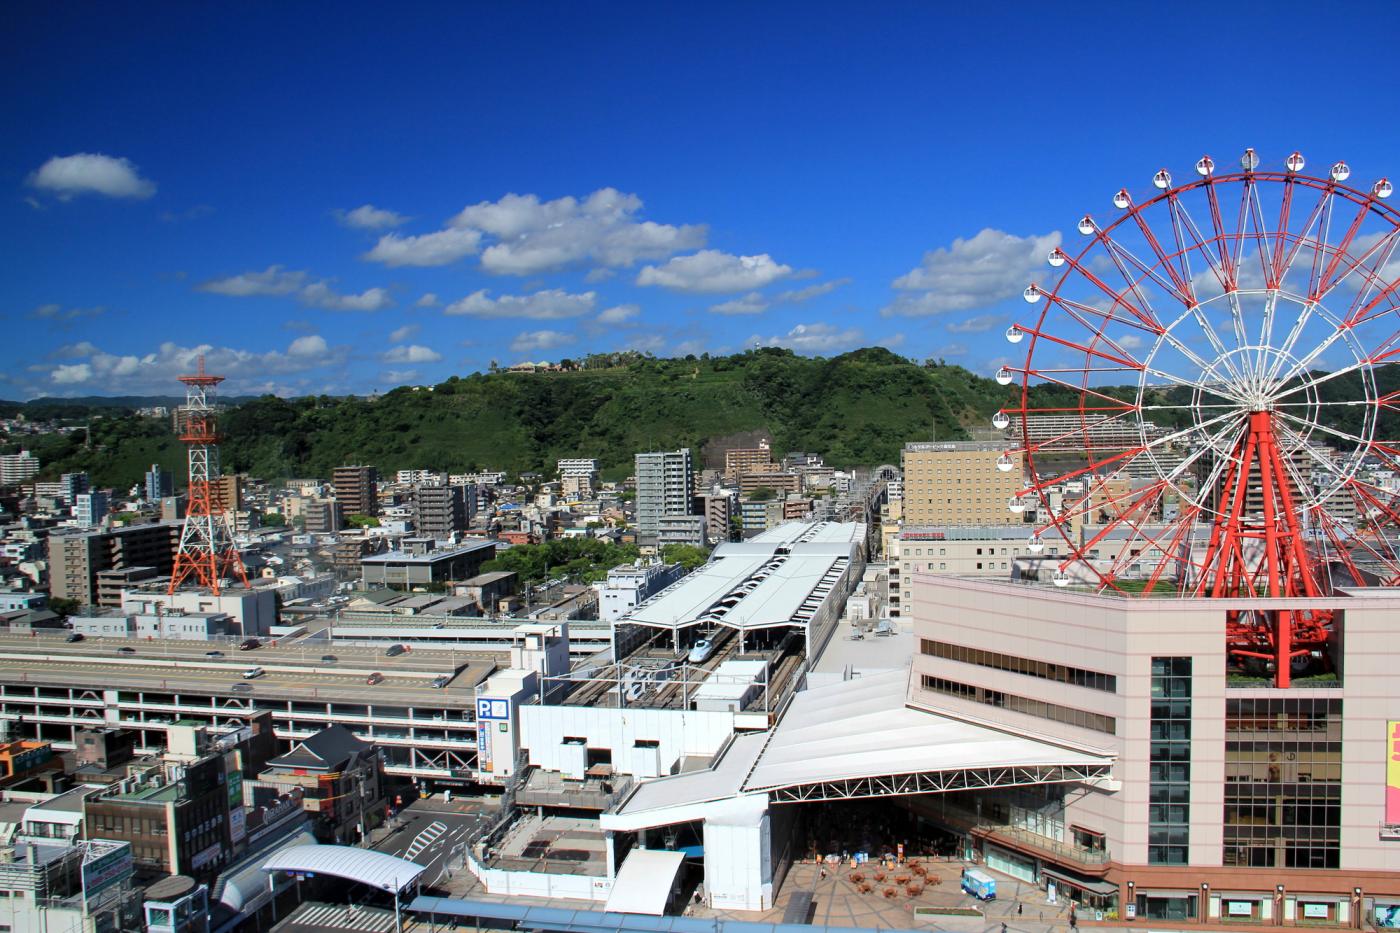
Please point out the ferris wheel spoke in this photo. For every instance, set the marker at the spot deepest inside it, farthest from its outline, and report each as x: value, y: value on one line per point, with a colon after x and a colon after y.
x: 1328, y: 429
x: 1321, y: 210
x: 1209, y: 332
x: 1229, y: 277
x: 1125, y: 454
x: 1179, y: 286
x: 1300, y: 369
x: 1123, y: 258
x: 1341, y: 255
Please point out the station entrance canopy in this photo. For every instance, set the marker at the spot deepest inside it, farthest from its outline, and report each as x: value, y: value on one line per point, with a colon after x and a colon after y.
x: 853, y: 739
x: 376, y: 869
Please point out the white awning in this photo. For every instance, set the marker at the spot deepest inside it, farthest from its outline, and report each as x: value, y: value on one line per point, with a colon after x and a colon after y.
x: 644, y: 882
x: 862, y: 729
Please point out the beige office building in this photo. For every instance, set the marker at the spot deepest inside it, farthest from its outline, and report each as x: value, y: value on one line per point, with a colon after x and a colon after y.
x: 958, y: 483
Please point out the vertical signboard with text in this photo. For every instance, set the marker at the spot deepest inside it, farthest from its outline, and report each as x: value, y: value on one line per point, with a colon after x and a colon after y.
x: 1392, y: 772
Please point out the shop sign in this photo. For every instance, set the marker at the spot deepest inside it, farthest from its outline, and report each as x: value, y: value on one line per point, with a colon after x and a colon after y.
x: 1392, y: 772
x: 1239, y: 908
x: 1316, y: 911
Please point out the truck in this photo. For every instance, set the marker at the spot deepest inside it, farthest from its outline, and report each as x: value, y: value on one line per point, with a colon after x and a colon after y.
x: 979, y: 884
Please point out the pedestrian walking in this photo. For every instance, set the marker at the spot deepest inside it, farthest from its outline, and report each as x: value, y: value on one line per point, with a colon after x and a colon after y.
x: 1020, y: 909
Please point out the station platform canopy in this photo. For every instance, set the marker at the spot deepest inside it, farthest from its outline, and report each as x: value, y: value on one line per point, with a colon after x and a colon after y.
x: 781, y: 577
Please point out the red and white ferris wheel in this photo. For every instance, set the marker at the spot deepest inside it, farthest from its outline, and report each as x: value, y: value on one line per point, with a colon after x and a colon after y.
x: 1205, y: 395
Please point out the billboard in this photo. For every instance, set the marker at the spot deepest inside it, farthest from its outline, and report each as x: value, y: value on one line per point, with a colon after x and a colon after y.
x: 1392, y: 772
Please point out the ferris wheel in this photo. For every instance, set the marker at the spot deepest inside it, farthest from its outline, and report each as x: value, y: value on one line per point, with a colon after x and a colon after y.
x: 1205, y: 396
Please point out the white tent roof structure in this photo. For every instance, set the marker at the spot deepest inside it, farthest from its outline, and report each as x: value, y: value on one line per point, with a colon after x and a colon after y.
x: 852, y: 739
x: 859, y: 733
x: 644, y: 882
x: 386, y: 872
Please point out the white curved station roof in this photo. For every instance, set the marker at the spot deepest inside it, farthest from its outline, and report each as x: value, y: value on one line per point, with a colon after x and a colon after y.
x: 386, y: 872
x: 780, y: 577
x: 845, y: 731
x: 861, y: 728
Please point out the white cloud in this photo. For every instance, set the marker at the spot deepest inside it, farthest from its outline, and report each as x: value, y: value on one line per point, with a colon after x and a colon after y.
x: 1130, y: 341
x: 276, y: 280
x: 799, y: 295
x: 712, y: 271
x: 618, y: 314
x: 533, y: 236
x: 540, y: 340
x: 752, y: 303
x: 976, y: 325
x: 429, y: 300
x: 70, y: 374
x: 429, y: 249
x: 62, y: 316
x: 403, y: 333
x: 310, y: 345
x: 974, y: 273
x: 644, y: 343
x: 812, y: 338
x: 411, y: 353
x: 369, y: 217
x: 953, y: 349
x: 91, y: 173
x: 320, y: 295
x: 153, y: 372
x: 549, y: 305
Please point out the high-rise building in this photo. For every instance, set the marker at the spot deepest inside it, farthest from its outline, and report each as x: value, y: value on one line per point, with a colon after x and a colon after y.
x: 90, y: 508
x: 18, y: 468
x: 663, y: 488
x: 961, y: 483
x: 66, y: 490
x: 440, y: 511
x: 77, y: 557
x: 158, y: 483
x: 355, y: 487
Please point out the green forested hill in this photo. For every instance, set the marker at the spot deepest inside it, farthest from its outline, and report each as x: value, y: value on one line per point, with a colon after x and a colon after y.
x: 855, y: 409
x: 858, y: 408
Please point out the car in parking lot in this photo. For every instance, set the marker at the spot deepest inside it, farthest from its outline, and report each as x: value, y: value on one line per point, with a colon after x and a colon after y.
x: 394, y: 651
x: 74, y: 636
x: 249, y: 644
x: 329, y: 659
x: 213, y: 654
x: 253, y: 672
x: 374, y: 678
x: 440, y: 682
x: 126, y: 649
x: 242, y: 688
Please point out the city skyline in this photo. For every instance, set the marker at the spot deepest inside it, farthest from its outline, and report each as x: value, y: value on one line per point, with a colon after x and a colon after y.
x: 344, y: 206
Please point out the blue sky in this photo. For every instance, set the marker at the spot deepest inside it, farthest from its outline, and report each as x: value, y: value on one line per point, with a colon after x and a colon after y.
x: 341, y: 198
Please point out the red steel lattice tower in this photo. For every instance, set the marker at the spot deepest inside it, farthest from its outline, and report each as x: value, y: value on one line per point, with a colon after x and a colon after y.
x: 207, y: 554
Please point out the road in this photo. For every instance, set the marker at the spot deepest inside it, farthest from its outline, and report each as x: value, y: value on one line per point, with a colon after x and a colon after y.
x: 433, y: 833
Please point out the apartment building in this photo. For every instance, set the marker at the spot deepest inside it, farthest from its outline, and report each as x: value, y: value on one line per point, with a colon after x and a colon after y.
x: 77, y: 557
x: 356, y: 487
x: 443, y: 511
x: 663, y: 488
x: 748, y: 460
x: 18, y: 468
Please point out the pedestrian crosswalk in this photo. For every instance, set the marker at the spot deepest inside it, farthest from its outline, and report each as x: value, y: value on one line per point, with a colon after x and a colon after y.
x: 343, y: 917
x: 424, y: 839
